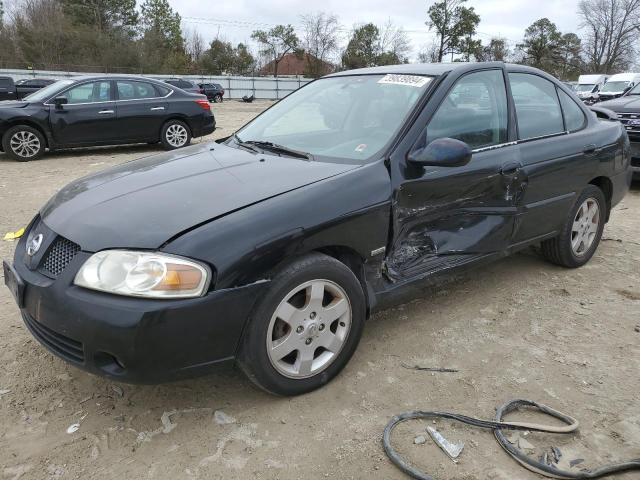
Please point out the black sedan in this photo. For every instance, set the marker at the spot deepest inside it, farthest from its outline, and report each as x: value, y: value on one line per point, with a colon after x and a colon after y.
x: 272, y: 247
x: 91, y: 111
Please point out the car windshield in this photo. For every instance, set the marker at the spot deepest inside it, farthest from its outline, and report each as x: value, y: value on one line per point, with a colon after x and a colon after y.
x: 350, y: 117
x: 46, y: 92
x: 584, y: 87
x: 614, y: 86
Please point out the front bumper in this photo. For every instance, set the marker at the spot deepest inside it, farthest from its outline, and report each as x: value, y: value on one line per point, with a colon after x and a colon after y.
x: 130, y: 339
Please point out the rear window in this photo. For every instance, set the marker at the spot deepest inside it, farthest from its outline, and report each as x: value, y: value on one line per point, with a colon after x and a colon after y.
x: 185, y: 84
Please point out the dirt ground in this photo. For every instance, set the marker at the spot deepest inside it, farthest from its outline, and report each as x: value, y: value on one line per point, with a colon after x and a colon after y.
x: 520, y: 328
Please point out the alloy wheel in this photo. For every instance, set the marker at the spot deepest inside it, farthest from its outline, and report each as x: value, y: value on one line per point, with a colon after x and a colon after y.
x: 176, y: 135
x: 585, y: 227
x: 25, y: 144
x: 309, y: 329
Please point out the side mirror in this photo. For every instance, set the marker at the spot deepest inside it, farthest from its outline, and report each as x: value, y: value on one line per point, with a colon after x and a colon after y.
x: 443, y: 152
x: 59, y: 101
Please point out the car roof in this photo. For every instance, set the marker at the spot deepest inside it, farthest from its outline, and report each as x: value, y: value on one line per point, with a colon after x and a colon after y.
x: 431, y: 69
x: 83, y: 78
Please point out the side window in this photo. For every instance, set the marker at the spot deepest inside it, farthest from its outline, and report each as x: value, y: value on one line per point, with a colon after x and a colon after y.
x: 574, y: 118
x: 537, y: 106
x: 89, y: 93
x: 162, y: 91
x: 184, y: 84
x: 475, y: 111
x: 135, y: 90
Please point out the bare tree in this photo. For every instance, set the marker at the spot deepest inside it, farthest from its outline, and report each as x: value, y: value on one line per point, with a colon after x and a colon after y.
x: 429, y: 53
x: 395, y: 41
x: 611, y: 30
x: 195, y: 45
x: 320, y: 41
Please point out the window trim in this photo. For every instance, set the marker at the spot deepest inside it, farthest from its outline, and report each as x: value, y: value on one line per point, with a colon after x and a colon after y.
x: 507, y: 91
x: 112, y: 81
x: 155, y: 87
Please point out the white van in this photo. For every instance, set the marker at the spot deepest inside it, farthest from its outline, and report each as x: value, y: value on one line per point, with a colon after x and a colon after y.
x: 589, y: 85
x: 618, y: 85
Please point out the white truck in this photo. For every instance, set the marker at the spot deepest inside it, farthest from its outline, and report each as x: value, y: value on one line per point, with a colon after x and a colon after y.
x: 589, y: 85
x: 618, y: 85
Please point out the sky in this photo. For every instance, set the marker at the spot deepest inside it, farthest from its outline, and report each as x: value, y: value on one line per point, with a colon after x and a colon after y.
x: 235, y: 20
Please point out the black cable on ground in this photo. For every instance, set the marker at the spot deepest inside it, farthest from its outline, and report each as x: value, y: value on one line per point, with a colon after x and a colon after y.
x: 498, y: 426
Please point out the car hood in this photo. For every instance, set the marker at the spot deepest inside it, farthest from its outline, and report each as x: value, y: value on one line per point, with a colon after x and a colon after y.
x: 623, y: 104
x: 146, y: 202
x: 13, y: 104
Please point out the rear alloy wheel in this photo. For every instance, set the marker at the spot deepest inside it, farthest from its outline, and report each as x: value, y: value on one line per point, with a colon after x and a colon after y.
x: 305, y: 328
x: 581, y: 232
x: 175, y: 134
x: 23, y: 143
x: 217, y: 99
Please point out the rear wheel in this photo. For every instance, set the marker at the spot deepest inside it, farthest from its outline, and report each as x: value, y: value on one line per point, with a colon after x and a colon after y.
x: 217, y: 98
x: 581, y: 232
x: 175, y: 134
x: 306, y: 328
x: 23, y: 143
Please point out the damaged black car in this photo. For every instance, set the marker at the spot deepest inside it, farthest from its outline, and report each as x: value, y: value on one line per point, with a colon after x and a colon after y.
x: 271, y: 248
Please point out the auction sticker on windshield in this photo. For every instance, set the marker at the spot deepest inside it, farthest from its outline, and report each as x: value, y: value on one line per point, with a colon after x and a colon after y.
x: 408, y: 80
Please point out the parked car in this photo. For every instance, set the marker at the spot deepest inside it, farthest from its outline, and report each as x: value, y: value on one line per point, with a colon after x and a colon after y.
x: 589, y: 86
x: 213, y: 91
x: 186, y: 85
x: 627, y: 109
x: 617, y: 85
x: 7, y: 89
x: 90, y: 111
x: 273, y: 246
x: 26, y: 87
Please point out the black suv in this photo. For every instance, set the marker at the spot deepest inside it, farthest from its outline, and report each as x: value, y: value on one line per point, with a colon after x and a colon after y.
x: 213, y: 91
x: 186, y: 85
x: 90, y: 111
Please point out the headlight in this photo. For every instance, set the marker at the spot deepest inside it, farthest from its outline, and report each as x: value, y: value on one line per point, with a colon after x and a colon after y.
x: 143, y: 274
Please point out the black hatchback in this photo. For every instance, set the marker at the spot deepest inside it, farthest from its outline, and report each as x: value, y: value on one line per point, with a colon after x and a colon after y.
x: 92, y: 111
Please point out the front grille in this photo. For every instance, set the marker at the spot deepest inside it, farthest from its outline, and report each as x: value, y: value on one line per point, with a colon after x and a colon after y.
x: 58, y: 257
x: 65, y: 347
x: 631, y: 122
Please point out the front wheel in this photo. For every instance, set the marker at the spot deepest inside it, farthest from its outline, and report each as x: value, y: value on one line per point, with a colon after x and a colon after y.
x: 306, y: 328
x: 23, y: 143
x: 581, y: 232
x: 175, y: 134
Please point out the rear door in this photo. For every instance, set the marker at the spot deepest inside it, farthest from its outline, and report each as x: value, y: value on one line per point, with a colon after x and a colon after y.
x: 7, y: 89
x: 446, y: 216
x: 88, y: 118
x: 141, y: 109
x: 556, y: 151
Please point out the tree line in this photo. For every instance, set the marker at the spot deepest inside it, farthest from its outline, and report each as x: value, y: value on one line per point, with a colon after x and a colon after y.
x: 122, y: 36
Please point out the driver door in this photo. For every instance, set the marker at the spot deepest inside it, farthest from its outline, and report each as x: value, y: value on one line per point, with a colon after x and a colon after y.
x: 446, y: 216
x: 88, y: 117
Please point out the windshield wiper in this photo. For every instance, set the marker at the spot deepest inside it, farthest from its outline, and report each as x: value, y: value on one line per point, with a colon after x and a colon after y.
x: 246, y: 145
x: 281, y: 149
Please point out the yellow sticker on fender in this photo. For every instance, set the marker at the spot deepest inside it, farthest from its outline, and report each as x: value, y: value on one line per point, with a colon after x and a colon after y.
x: 407, y: 80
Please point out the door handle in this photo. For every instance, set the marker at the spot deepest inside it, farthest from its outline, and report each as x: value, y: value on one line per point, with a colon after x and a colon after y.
x: 590, y: 149
x: 156, y: 108
x: 105, y: 112
x: 510, y: 168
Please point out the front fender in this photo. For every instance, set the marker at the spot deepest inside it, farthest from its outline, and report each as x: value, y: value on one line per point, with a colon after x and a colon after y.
x: 351, y: 210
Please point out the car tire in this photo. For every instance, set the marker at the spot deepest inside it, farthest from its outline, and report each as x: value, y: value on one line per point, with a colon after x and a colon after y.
x: 23, y: 143
x: 327, y: 311
x: 175, y: 134
x: 581, y: 231
x: 217, y: 99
